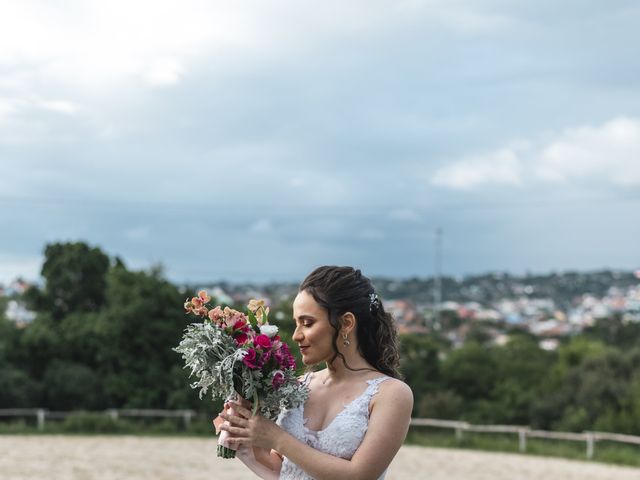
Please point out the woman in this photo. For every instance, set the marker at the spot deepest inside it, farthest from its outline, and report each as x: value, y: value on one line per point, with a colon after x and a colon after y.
x: 358, y: 411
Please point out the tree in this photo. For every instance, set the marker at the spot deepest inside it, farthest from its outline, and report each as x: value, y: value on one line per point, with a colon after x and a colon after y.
x: 419, y: 364
x: 75, y: 276
x: 142, y: 322
x: 471, y: 371
x: 17, y: 389
x: 522, y: 367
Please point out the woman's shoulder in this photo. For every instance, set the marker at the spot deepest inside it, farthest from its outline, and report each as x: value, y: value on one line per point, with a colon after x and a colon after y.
x: 395, y: 390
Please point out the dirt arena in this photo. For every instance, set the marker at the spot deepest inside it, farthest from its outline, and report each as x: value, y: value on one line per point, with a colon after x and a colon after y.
x: 143, y: 458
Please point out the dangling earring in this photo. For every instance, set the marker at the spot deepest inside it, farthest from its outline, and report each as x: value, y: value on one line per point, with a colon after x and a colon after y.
x: 345, y: 342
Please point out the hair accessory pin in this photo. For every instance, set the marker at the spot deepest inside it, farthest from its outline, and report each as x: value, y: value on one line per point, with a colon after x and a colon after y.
x: 374, y: 302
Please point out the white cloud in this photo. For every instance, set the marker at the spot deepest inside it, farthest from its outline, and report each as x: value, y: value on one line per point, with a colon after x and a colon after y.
x: 502, y: 167
x: 90, y: 43
x: 7, y: 108
x: 610, y: 152
x: 165, y: 72
x: 60, y: 106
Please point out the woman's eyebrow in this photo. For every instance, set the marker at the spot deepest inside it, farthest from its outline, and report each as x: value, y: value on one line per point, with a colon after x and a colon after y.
x: 304, y: 317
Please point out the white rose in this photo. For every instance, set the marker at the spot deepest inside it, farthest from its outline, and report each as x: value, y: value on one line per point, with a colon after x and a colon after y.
x: 269, y: 330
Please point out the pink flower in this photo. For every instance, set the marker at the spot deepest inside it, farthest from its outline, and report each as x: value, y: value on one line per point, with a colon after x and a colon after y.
x: 215, y: 314
x: 202, y: 295
x: 197, y: 302
x: 255, y: 305
x: 266, y: 356
x: 201, y: 311
x: 277, y: 380
x: 188, y: 307
x: 262, y: 341
x: 249, y: 358
x: 284, y: 357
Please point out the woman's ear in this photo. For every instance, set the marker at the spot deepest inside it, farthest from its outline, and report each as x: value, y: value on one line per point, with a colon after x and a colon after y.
x: 348, y: 322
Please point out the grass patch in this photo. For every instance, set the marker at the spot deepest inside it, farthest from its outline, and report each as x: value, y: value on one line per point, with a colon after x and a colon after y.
x: 200, y: 426
x: 605, y: 452
x: 84, y: 423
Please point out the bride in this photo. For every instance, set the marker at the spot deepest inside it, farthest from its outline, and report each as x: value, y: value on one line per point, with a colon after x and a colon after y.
x: 358, y: 412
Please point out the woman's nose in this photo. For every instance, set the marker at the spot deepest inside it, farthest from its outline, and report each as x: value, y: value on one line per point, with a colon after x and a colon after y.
x: 297, y: 335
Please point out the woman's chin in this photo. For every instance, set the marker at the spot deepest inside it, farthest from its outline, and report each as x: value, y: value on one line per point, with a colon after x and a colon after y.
x: 306, y: 361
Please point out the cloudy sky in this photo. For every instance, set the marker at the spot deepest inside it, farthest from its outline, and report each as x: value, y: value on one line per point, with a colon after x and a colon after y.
x: 258, y: 139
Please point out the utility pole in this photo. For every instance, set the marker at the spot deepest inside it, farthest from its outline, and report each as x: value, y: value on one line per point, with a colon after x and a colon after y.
x: 437, y: 280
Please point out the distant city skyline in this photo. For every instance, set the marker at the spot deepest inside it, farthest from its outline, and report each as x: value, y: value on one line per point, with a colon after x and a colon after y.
x: 259, y: 140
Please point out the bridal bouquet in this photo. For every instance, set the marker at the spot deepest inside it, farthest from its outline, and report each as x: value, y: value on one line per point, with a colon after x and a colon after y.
x: 232, y: 353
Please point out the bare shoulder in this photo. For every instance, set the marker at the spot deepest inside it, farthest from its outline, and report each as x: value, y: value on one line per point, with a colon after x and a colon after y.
x: 395, y: 391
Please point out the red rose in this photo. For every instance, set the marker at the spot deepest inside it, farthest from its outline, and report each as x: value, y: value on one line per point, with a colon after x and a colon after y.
x: 240, y: 325
x: 262, y: 341
x: 250, y: 358
x: 241, y: 338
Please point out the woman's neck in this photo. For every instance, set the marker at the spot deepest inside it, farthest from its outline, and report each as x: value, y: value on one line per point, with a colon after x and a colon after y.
x: 337, y: 371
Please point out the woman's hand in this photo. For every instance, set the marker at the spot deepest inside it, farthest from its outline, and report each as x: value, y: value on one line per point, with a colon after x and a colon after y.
x: 249, y: 430
x: 219, y: 420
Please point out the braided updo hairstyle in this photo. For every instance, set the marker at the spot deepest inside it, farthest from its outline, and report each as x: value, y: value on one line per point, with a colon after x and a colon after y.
x: 345, y: 289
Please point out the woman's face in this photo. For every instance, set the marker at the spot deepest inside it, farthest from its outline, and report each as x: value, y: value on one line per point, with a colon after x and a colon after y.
x: 313, y: 332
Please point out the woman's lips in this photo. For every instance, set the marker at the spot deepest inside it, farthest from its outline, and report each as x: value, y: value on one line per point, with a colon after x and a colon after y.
x: 303, y: 348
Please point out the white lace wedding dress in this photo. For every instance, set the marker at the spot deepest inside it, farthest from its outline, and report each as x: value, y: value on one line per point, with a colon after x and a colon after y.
x: 340, y: 438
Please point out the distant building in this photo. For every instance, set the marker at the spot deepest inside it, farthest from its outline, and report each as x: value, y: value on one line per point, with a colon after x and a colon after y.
x: 17, y: 312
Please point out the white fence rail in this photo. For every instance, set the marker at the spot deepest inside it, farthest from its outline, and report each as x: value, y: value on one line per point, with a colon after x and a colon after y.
x: 42, y: 414
x: 524, y: 432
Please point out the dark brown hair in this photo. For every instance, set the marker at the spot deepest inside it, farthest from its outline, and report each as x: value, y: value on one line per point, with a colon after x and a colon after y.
x: 345, y: 289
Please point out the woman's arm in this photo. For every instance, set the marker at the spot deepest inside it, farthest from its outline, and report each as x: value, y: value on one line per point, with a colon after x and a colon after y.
x: 265, y: 468
x: 388, y: 426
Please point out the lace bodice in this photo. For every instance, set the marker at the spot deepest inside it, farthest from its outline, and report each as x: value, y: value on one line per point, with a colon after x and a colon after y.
x: 340, y: 438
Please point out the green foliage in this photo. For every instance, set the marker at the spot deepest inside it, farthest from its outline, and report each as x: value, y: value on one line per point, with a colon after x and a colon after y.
x: 83, y: 422
x: 471, y: 371
x: 419, y: 364
x: 75, y: 276
x: 71, y: 386
x: 137, y: 330
x: 614, y: 331
x: 443, y: 404
x: 16, y: 387
x: 609, y: 452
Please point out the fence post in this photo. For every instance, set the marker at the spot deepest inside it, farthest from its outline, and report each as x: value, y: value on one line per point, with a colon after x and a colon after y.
x: 41, y: 416
x: 187, y: 418
x: 522, y: 435
x: 458, y: 434
x: 113, y: 413
x: 590, y: 445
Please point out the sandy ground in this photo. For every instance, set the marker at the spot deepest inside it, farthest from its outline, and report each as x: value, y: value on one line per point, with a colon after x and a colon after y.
x: 136, y: 458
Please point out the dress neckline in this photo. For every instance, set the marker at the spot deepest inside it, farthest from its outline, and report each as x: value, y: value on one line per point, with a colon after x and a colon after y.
x: 345, y: 406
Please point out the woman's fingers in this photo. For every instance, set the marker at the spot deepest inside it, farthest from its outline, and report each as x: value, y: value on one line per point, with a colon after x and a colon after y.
x: 233, y: 430
x: 235, y: 420
x: 238, y: 441
x: 242, y: 411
